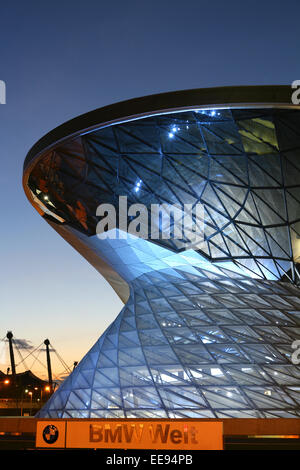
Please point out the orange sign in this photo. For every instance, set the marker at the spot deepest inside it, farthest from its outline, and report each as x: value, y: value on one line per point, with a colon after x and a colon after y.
x: 131, y: 434
x: 51, y: 433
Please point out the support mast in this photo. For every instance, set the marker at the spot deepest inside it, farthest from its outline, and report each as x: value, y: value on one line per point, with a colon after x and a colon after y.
x: 47, y: 343
x: 9, y: 336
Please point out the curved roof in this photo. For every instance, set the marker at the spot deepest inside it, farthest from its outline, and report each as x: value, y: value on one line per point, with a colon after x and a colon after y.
x: 237, y: 96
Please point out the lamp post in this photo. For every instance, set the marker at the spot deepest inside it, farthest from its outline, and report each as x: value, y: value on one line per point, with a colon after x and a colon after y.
x: 30, y: 394
x: 47, y: 389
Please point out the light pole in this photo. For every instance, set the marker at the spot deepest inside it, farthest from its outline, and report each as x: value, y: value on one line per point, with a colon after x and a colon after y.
x: 30, y: 394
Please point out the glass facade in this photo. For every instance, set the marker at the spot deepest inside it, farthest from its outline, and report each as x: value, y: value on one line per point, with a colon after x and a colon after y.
x: 242, y: 165
x: 205, y: 332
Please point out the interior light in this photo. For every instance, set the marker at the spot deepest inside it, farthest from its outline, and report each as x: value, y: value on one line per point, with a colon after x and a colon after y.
x: 216, y: 372
x: 138, y: 186
x: 206, y: 340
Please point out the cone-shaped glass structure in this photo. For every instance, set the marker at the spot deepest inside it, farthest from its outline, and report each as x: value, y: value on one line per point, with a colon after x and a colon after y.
x: 209, y: 325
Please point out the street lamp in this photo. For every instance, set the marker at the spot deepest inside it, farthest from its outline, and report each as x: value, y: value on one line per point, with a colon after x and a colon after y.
x: 30, y: 393
x: 46, y: 389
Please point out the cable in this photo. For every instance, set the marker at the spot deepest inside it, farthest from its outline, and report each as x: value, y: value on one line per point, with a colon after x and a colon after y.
x: 67, y: 368
x: 31, y: 353
x: 35, y: 359
x: 18, y: 351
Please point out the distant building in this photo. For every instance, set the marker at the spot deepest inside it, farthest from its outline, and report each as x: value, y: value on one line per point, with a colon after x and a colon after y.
x: 21, y: 394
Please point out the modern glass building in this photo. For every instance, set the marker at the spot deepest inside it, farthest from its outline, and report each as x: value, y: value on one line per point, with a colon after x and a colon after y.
x: 208, y: 326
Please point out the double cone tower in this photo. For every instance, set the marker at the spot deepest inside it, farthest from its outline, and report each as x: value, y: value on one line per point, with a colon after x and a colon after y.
x: 208, y: 329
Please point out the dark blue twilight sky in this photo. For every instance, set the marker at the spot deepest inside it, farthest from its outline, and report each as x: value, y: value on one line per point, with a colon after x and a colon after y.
x: 63, y: 58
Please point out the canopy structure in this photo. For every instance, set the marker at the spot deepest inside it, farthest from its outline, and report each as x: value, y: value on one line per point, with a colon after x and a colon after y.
x: 208, y: 327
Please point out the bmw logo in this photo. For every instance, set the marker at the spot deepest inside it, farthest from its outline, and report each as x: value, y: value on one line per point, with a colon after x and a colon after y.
x: 50, y: 434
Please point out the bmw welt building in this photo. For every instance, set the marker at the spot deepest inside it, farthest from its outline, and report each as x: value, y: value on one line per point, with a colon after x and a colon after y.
x: 188, y: 203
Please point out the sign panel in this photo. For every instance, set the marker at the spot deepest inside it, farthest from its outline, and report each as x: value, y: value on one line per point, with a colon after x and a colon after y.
x: 131, y: 434
x: 51, y: 433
